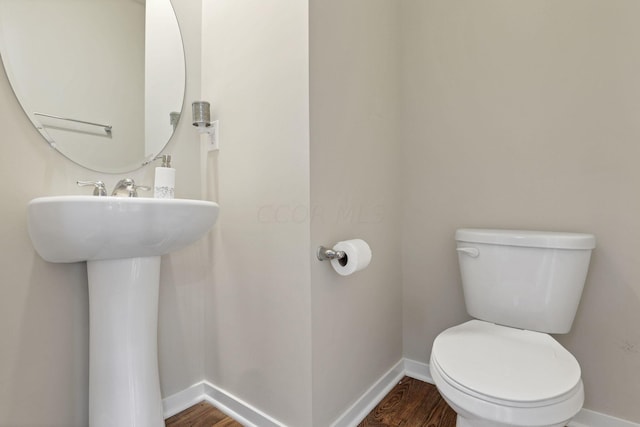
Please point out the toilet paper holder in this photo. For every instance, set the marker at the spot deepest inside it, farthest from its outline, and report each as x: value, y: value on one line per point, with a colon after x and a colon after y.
x: 325, y: 254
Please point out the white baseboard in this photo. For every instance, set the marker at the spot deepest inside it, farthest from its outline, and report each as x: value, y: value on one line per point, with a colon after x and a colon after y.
x: 249, y: 416
x: 365, y: 404
x: 417, y: 370
x: 237, y: 409
x: 232, y: 406
x: 587, y: 418
x: 183, y: 399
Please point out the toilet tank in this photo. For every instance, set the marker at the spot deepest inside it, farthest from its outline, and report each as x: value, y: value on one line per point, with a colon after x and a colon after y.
x: 525, y: 279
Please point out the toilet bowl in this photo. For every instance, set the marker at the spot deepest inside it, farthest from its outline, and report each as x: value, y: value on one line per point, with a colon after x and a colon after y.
x: 503, y: 369
x: 499, y: 376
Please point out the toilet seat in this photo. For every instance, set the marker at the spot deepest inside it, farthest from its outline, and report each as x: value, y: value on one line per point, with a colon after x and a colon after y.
x: 505, y: 366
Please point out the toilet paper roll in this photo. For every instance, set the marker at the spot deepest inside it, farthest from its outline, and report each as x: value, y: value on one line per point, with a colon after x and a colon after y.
x: 358, y: 256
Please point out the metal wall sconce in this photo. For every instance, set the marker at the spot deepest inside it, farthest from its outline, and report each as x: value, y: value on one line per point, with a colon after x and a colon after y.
x: 201, y: 111
x: 201, y: 114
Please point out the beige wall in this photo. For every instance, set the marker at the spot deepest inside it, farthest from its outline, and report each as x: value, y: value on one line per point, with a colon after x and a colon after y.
x: 258, y: 320
x: 44, y: 309
x: 357, y: 320
x: 285, y: 332
x: 526, y: 114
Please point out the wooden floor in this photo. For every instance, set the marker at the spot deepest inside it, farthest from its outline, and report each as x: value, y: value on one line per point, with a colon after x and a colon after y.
x: 201, y: 415
x: 411, y: 403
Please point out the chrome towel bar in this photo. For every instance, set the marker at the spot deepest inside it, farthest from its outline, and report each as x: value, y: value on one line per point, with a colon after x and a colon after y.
x: 107, y: 128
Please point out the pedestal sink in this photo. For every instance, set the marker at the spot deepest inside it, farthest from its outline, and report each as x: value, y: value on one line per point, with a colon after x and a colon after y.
x: 122, y: 240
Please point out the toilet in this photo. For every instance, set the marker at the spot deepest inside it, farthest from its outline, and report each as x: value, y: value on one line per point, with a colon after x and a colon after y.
x: 503, y: 369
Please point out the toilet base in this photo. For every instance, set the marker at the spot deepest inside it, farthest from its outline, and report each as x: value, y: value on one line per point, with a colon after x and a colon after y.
x: 463, y: 422
x: 466, y: 422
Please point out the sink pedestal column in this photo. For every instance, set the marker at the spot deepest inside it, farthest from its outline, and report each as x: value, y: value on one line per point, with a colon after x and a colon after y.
x: 124, y: 385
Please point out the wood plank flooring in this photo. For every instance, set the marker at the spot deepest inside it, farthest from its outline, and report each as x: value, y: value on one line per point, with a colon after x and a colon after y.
x: 201, y: 415
x: 411, y: 403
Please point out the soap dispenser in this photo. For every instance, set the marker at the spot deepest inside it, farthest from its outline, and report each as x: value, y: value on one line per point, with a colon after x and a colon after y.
x: 165, y: 179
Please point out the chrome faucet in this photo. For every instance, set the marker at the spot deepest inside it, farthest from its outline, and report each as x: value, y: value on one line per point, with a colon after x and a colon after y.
x: 98, y: 187
x: 127, y: 188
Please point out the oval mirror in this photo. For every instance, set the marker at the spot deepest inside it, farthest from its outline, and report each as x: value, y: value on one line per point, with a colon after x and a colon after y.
x: 102, y: 80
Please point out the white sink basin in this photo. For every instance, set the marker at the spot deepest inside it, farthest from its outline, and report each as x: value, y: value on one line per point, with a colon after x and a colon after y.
x: 122, y: 240
x: 89, y: 228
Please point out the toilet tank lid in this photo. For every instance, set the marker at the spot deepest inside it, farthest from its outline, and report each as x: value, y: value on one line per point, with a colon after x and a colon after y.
x: 527, y: 238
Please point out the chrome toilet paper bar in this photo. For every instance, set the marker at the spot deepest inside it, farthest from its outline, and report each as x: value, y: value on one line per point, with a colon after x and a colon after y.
x: 325, y: 254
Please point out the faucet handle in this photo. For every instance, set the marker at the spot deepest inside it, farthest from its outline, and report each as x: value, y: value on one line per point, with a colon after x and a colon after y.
x: 142, y: 187
x: 98, y: 187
